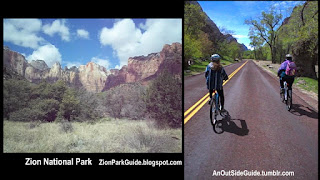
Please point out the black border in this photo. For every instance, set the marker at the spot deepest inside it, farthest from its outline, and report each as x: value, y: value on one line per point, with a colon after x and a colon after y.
x: 102, y: 9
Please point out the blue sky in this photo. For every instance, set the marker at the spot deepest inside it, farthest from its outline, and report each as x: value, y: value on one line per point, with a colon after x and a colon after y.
x: 232, y: 14
x: 108, y: 42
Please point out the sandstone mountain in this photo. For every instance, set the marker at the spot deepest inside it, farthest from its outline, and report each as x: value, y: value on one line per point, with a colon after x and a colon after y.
x: 215, y: 35
x: 93, y: 77
x: 145, y: 68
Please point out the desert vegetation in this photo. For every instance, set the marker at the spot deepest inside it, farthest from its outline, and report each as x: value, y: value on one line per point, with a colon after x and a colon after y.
x: 130, y: 117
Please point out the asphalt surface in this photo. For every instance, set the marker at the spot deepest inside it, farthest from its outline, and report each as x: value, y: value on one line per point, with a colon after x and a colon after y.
x: 260, y: 133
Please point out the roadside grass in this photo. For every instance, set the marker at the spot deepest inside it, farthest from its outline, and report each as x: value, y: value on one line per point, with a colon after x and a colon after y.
x: 200, y: 66
x: 307, y: 84
x: 105, y: 136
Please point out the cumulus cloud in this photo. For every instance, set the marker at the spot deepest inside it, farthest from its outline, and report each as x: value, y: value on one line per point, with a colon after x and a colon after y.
x: 102, y: 62
x: 127, y: 39
x: 83, y: 33
x: 49, y: 53
x: 59, y: 27
x: 23, y: 32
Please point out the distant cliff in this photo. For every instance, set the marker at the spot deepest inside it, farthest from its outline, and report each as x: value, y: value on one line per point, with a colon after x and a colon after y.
x: 144, y: 68
x: 92, y: 76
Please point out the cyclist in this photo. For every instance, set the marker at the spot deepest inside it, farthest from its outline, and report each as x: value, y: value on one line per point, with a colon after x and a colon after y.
x: 215, y: 74
x: 284, y: 76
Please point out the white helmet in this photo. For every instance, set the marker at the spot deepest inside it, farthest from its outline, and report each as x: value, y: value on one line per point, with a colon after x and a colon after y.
x: 289, y: 57
x: 215, y: 57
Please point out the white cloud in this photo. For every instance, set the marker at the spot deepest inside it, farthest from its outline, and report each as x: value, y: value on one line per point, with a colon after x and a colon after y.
x: 117, y: 67
x: 23, y: 32
x: 240, y: 36
x: 49, y: 53
x: 59, y: 27
x: 70, y: 64
x: 127, y: 40
x: 102, y: 62
x: 250, y: 47
x: 83, y: 33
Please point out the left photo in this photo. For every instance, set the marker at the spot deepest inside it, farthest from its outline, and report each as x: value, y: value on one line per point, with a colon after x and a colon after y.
x: 92, y: 85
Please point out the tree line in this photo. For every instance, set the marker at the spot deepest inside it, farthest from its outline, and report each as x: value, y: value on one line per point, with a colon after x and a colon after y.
x: 49, y: 102
x: 199, y: 44
x: 273, y: 38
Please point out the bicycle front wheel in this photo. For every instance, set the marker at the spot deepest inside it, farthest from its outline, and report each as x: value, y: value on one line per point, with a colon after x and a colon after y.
x: 212, y: 112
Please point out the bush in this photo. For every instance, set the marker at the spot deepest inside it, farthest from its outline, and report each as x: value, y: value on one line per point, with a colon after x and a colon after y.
x: 48, y: 107
x: 125, y: 100
x: 163, y: 100
x: 89, y: 108
x: 27, y: 114
x: 15, y: 95
x: 69, y: 107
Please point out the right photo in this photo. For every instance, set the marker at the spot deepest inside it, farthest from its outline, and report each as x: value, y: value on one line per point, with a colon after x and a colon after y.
x: 250, y: 89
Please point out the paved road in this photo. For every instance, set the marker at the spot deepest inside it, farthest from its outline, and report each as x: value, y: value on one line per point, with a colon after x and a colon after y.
x: 260, y: 135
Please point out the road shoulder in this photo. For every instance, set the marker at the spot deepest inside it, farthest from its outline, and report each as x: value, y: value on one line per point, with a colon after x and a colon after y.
x: 309, y: 97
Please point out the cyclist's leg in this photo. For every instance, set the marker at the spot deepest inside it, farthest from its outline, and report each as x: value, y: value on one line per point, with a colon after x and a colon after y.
x: 282, y: 79
x: 210, y: 95
x: 221, y: 95
x: 290, y: 81
x: 281, y: 84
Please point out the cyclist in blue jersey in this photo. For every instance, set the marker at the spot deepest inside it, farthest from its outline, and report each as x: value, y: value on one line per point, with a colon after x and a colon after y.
x: 215, y: 74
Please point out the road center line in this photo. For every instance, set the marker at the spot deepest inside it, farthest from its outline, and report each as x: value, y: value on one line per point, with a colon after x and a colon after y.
x: 195, y: 108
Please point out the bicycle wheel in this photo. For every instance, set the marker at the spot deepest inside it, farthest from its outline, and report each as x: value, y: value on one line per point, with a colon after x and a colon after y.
x: 212, y: 112
x: 282, y: 97
x: 289, y: 100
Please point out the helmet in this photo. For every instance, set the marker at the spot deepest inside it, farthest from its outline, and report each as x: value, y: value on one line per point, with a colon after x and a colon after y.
x: 289, y: 57
x: 215, y: 57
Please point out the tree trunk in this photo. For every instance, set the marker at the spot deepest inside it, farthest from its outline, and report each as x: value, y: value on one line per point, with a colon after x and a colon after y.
x: 273, y: 55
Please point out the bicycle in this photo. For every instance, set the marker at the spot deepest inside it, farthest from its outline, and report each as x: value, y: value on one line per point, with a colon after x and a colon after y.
x: 215, y: 111
x: 286, y: 96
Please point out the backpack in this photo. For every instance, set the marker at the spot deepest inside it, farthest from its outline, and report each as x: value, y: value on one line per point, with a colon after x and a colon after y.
x: 291, y: 69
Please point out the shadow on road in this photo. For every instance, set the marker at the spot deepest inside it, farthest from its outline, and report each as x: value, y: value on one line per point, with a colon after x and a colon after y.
x: 228, y: 124
x: 300, y: 110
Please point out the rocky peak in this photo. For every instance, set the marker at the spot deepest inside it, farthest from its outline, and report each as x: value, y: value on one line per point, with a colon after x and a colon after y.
x: 14, y: 61
x: 74, y: 69
x: 144, y: 68
x: 39, y: 64
x: 93, y: 76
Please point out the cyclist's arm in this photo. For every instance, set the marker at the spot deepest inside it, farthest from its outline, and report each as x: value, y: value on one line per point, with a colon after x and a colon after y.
x: 206, y: 72
x: 225, y: 75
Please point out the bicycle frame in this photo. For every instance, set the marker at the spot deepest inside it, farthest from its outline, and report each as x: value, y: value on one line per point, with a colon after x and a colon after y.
x: 285, y: 90
x: 287, y: 96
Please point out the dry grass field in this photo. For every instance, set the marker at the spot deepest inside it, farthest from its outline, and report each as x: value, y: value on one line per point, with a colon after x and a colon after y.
x: 104, y: 136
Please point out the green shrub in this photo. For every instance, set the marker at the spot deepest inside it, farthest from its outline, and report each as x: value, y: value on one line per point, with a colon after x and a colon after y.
x: 27, y: 114
x: 125, y: 100
x: 163, y: 100
x: 15, y: 95
x: 48, y: 107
